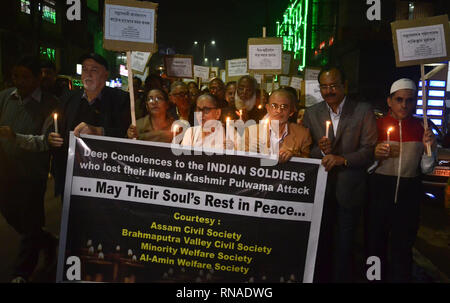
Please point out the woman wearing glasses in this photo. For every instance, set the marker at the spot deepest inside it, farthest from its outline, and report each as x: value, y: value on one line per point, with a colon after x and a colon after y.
x: 210, y: 132
x: 156, y: 126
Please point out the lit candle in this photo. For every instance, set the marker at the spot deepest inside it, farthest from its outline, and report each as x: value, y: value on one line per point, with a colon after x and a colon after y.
x: 328, y: 128
x: 388, y: 134
x: 55, y: 122
x: 174, y: 133
x: 240, y: 114
x: 259, y: 106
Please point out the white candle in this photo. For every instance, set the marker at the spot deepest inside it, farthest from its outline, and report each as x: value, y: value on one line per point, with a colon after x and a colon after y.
x: 55, y: 122
x: 240, y: 114
x: 389, y: 134
x: 327, y: 128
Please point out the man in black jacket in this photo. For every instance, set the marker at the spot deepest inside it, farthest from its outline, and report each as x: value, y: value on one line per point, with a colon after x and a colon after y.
x: 95, y: 110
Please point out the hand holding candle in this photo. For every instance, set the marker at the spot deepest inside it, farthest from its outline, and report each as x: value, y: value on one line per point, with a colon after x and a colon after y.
x: 389, y: 135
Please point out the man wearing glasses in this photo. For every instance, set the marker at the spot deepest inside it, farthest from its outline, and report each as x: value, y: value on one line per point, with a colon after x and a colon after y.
x: 346, y: 153
x: 275, y: 134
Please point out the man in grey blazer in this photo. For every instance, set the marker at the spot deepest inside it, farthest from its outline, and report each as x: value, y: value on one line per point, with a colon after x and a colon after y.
x: 346, y: 153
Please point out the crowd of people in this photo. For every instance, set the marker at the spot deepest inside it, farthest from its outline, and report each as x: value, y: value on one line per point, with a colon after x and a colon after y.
x: 341, y: 131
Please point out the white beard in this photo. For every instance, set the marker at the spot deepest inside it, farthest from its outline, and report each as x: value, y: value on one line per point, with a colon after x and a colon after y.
x: 248, y: 104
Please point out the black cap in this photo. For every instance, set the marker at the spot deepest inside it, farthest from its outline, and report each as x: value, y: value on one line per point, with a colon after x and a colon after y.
x: 96, y: 57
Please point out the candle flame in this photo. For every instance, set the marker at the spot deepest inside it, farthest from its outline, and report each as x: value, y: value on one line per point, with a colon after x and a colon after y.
x: 259, y: 106
x: 55, y: 116
x: 328, y: 123
x: 228, y: 119
x: 390, y: 129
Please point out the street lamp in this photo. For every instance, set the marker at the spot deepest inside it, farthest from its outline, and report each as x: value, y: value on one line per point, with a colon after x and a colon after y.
x: 213, y: 42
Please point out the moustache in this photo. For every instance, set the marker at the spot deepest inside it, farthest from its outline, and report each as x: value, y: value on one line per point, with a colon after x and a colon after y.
x: 330, y: 95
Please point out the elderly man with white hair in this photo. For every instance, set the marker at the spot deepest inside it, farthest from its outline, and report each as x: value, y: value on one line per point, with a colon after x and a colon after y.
x: 396, y: 187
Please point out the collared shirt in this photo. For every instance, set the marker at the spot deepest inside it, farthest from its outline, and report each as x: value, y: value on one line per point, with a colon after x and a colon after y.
x: 36, y: 95
x: 98, y: 97
x: 336, y: 116
x: 27, y: 120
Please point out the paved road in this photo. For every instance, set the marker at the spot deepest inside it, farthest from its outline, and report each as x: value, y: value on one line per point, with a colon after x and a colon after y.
x: 431, y: 253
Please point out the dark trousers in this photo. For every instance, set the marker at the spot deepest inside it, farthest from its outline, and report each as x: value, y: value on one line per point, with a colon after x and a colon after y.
x: 392, y: 227
x: 334, y: 260
x: 22, y: 205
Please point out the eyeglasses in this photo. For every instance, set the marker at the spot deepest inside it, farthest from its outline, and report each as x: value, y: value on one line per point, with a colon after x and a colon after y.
x: 331, y: 87
x: 155, y: 99
x: 205, y: 110
x: 282, y: 107
x: 180, y: 95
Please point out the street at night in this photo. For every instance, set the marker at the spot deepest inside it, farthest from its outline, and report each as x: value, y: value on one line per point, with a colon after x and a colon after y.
x: 215, y: 142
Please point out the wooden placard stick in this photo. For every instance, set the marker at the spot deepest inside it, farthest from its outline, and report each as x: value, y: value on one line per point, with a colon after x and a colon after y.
x: 424, y: 105
x: 262, y: 77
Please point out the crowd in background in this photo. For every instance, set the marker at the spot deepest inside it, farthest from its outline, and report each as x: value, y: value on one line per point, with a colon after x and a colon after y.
x: 341, y: 131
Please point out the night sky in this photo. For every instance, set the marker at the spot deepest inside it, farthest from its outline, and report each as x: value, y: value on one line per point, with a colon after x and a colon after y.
x: 230, y: 23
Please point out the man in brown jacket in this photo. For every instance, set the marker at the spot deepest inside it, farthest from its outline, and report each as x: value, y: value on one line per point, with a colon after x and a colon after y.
x: 289, y: 140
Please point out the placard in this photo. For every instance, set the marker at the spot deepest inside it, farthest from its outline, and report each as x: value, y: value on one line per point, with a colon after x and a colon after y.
x: 258, y: 78
x: 287, y: 63
x: 284, y: 80
x: 296, y: 82
x: 235, y: 69
x: 312, y: 92
x: 213, y: 72
x: 264, y: 55
x: 312, y: 73
x: 130, y: 25
x: 202, y: 72
x: 223, y: 75
x: 421, y: 41
x: 179, y: 66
